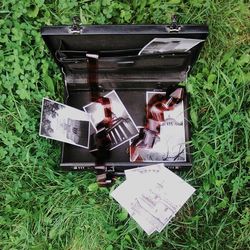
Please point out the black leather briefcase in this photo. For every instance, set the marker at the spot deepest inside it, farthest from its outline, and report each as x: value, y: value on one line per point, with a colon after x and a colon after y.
x: 120, y: 68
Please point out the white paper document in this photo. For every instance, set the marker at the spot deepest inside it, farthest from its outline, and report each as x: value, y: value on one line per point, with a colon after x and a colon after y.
x: 152, y: 195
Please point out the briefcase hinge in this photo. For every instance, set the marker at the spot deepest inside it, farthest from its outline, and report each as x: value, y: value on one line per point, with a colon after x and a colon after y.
x: 173, y: 27
x: 76, y: 28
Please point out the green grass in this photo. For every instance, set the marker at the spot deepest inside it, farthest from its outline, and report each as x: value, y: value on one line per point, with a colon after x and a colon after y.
x: 41, y: 208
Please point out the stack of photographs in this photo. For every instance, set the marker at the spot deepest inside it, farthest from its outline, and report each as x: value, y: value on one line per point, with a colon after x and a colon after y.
x: 153, y: 201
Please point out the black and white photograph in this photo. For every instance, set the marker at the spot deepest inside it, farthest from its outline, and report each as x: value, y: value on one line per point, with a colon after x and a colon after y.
x: 64, y: 123
x: 121, y: 126
x: 165, y: 45
x: 167, y: 143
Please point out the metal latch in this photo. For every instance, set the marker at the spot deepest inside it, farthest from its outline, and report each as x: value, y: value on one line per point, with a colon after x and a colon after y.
x: 111, y: 169
x: 76, y: 28
x: 174, y: 27
x: 104, y: 175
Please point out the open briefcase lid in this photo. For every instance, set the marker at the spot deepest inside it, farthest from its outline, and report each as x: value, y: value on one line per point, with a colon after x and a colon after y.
x: 117, y: 47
